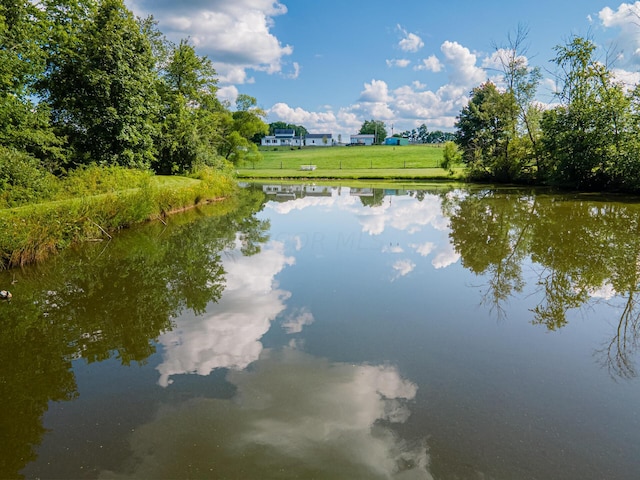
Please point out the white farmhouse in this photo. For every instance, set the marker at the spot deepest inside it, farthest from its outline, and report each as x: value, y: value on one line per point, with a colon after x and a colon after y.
x: 284, y: 137
x: 318, y: 140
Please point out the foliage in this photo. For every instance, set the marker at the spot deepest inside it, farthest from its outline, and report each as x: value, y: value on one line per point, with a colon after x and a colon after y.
x: 450, y: 156
x: 423, y: 135
x: 591, y: 139
x: 101, y: 89
x: 190, y: 113
x: 32, y: 232
x: 299, y: 130
x: 23, y: 180
x: 239, y: 128
x: 24, y: 125
x: 374, y: 127
x: 484, y: 130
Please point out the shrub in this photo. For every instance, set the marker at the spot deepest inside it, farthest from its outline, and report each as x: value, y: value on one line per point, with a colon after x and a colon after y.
x: 23, y: 180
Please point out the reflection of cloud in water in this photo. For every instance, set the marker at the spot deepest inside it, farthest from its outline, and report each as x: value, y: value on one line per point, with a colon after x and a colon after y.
x: 294, y: 416
x: 606, y: 292
x: 230, y: 337
x: 335, y: 200
x: 443, y: 258
x: 446, y: 257
x: 423, y: 249
x: 392, y: 249
x: 297, y: 320
x: 403, y: 213
x: 403, y: 267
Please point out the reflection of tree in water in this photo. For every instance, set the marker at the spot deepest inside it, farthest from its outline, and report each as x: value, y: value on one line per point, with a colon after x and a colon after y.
x: 579, y: 247
x: 104, y: 301
x: 618, y: 354
x: 483, y: 233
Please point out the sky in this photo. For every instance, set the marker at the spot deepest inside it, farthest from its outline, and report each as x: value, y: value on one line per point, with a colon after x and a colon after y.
x: 330, y: 65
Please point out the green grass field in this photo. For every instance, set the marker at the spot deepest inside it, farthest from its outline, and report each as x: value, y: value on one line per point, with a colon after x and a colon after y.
x: 379, y: 161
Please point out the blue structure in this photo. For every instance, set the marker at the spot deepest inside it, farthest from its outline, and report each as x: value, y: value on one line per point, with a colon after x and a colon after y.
x: 396, y: 141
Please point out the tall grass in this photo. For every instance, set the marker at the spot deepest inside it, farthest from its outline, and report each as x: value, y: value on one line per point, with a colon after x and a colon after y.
x: 30, y: 233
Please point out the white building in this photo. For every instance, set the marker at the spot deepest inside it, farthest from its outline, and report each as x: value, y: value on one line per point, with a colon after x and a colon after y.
x: 284, y: 137
x: 318, y: 140
x: 363, y: 139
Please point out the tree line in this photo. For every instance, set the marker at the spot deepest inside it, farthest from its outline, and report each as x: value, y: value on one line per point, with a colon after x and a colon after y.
x: 85, y: 82
x: 589, y: 139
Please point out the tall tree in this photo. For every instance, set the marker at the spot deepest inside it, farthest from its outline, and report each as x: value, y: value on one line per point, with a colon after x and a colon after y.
x: 483, y: 130
x: 24, y: 124
x: 239, y: 128
x: 590, y: 139
x: 374, y: 127
x: 188, y: 130
x: 521, y: 82
x: 101, y: 87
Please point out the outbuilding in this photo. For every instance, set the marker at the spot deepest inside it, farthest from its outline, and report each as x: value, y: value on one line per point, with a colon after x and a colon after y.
x: 396, y: 141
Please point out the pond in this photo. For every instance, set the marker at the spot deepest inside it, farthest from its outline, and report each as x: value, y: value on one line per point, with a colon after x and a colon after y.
x: 309, y: 331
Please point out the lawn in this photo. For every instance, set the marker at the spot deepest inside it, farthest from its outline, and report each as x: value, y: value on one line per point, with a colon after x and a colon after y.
x: 379, y: 161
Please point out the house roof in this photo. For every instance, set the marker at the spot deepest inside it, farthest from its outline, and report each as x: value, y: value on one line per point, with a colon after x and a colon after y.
x: 318, y: 135
x: 284, y: 132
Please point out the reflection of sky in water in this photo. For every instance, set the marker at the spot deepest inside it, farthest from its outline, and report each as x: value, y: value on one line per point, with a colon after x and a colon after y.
x: 293, y: 414
x: 290, y: 408
x: 229, y: 335
x: 420, y: 225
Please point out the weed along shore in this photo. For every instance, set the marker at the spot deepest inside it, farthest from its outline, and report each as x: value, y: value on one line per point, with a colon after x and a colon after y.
x: 32, y: 232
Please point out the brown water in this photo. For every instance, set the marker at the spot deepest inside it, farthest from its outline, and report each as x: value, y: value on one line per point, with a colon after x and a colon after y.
x: 338, y: 333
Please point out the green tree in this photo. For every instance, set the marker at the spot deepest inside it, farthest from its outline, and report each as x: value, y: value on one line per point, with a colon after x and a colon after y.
x: 188, y: 129
x: 590, y: 140
x: 450, y: 156
x: 483, y: 131
x: 24, y: 124
x: 239, y: 128
x: 423, y: 134
x: 374, y: 127
x: 298, y: 129
x: 521, y: 82
x: 101, y: 87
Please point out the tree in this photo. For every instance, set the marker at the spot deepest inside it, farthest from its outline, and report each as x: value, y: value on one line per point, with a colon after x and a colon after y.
x: 521, y: 82
x: 190, y: 116
x: 483, y: 130
x: 422, y: 134
x: 590, y: 140
x: 239, y: 128
x: 24, y: 123
x: 450, y: 156
x: 101, y: 88
x: 299, y: 130
x: 374, y: 127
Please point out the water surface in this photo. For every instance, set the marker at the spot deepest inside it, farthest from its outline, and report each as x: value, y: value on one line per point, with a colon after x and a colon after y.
x: 334, y: 332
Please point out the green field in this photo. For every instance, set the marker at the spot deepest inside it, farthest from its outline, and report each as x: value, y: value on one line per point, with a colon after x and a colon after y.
x: 380, y: 161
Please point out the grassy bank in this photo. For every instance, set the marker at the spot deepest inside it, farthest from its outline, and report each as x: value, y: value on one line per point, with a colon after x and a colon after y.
x: 31, y: 232
x: 416, y: 162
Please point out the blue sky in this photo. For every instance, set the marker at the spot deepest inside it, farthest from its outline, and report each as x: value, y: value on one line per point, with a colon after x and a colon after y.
x: 329, y: 65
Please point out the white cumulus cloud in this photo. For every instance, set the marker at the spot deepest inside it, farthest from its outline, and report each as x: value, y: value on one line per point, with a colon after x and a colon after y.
x: 236, y: 35
x: 410, y: 41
